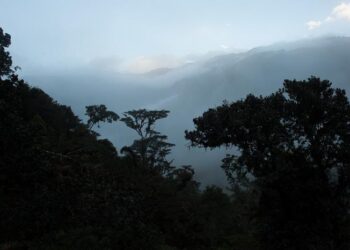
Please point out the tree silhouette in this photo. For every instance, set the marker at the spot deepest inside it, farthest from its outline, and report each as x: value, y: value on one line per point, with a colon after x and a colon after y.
x: 5, y: 58
x: 99, y: 113
x: 294, y: 145
x: 152, y: 147
x: 63, y: 188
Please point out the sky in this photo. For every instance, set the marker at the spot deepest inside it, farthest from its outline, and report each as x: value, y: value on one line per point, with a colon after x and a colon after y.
x: 138, y: 36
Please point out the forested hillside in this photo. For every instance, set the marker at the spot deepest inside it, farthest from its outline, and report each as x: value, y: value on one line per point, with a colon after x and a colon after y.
x: 189, y: 90
x: 63, y: 187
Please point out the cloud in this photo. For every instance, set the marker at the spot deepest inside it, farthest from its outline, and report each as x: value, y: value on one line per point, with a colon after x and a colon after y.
x: 139, y: 65
x: 339, y: 12
x: 223, y: 46
x: 313, y: 24
x: 144, y: 64
x: 342, y: 11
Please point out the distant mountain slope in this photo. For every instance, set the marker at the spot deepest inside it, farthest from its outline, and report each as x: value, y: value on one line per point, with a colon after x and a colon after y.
x: 189, y: 91
x: 263, y: 70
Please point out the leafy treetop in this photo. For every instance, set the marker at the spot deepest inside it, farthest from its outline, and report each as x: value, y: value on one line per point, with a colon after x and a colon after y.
x: 99, y: 113
x: 294, y: 146
x: 5, y: 58
x: 143, y: 121
x: 152, y: 148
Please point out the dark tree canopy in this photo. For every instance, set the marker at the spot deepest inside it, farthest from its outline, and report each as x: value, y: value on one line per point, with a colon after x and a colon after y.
x: 61, y: 187
x: 143, y: 120
x: 294, y: 145
x: 99, y: 113
x: 152, y: 148
x: 306, y: 119
x: 5, y: 58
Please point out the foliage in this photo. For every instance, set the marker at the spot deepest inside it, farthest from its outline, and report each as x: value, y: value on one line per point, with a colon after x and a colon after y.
x: 5, y: 58
x: 63, y: 188
x: 152, y: 148
x: 294, y: 146
x: 99, y: 113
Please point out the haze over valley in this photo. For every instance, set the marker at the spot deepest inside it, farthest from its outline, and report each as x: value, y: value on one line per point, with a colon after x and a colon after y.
x: 174, y: 125
x: 190, y: 89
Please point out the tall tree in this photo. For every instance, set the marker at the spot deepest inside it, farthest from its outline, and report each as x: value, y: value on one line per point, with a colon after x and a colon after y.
x: 152, y: 148
x: 294, y: 145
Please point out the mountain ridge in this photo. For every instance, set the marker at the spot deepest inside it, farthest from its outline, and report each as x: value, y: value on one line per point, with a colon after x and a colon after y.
x: 187, y: 92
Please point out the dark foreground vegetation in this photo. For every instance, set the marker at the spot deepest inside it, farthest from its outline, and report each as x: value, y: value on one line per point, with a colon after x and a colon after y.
x: 61, y: 187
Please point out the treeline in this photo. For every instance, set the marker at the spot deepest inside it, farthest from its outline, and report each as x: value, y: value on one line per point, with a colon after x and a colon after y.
x: 61, y: 187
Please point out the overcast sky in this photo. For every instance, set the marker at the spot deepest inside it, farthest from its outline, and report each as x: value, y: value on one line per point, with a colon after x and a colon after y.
x: 153, y: 32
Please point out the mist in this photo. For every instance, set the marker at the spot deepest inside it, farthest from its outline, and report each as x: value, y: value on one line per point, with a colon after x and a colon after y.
x: 172, y: 124
x: 189, y: 90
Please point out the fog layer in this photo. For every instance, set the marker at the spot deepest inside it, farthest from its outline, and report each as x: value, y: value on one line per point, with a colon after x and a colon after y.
x: 191, y: 89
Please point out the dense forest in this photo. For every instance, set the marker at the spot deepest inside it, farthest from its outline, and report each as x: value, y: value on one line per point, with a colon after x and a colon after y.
x: 62, y: 187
